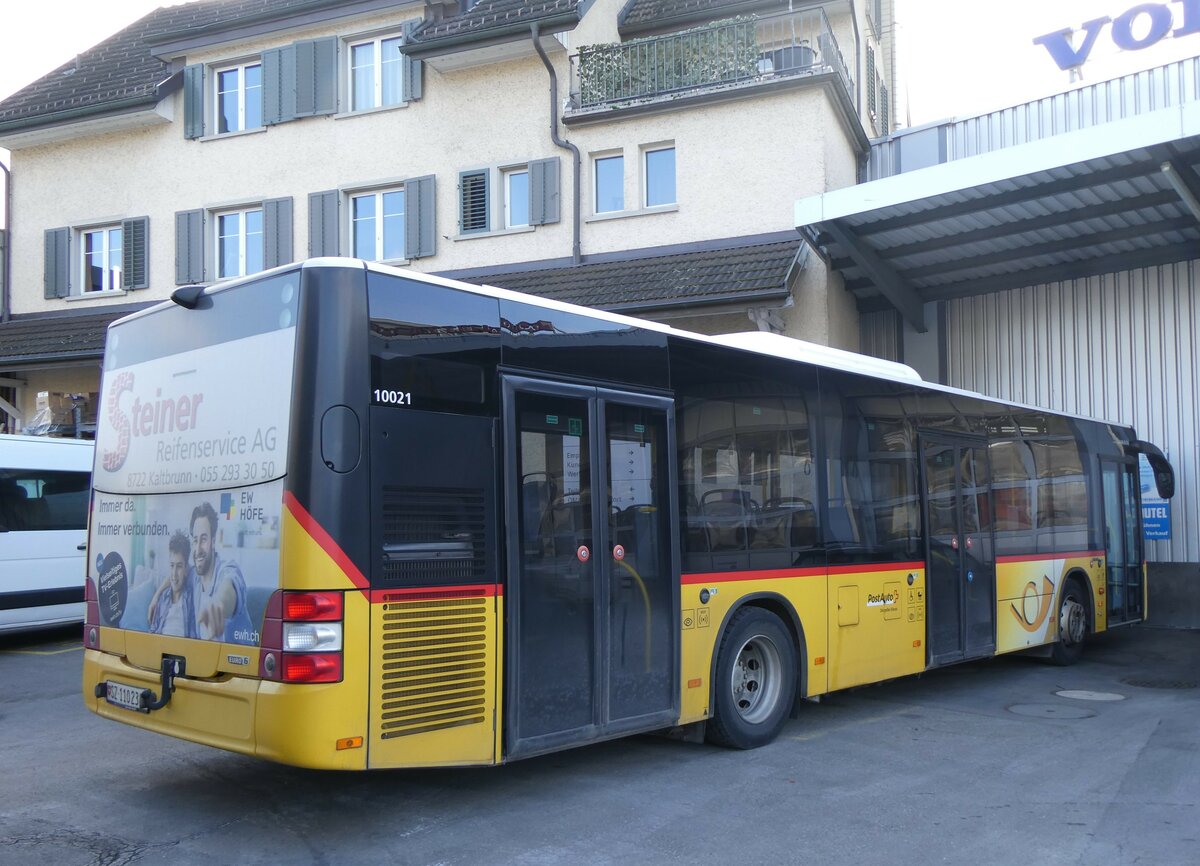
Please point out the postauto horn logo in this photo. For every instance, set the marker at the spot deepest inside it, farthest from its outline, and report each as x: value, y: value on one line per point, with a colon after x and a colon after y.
x: 145, y: 417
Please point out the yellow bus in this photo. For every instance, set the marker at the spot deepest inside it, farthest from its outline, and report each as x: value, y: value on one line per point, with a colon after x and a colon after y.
x: 350, y: 517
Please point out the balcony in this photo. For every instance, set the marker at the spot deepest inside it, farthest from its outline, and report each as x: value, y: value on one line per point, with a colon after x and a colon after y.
x: 717, y: 60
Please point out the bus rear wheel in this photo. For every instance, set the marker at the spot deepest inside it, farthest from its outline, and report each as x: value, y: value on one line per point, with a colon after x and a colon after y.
x: 1072, y: 626
x: 756, y: 680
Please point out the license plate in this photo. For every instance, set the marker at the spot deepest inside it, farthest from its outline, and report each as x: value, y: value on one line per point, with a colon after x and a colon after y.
x: 121, y: 695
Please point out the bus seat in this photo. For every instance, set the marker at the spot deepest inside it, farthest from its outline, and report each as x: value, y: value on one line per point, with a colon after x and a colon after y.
x: 726, y: 518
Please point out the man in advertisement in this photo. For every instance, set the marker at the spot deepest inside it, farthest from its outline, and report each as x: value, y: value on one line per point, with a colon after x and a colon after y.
x: 220, y: 586
x: 173, y: 607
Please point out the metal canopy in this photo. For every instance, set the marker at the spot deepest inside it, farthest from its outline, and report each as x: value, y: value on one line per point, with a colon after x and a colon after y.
x: 1108, y: 198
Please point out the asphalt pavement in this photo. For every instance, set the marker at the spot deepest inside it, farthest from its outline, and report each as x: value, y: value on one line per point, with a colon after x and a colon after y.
x: 1004, y: 761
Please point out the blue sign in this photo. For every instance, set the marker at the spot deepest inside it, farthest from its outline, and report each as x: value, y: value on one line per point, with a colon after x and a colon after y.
x: 1126, y: 30
x: 1156, y: 511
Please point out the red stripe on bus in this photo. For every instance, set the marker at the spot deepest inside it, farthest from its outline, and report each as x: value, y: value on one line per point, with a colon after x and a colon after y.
x: 1046, y: 557
x: 324, y: 540
x: 873, y: 568
x: 779, y: 573
x: 436, y: 593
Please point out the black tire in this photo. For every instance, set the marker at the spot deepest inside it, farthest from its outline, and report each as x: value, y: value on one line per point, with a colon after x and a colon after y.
x: 755, y: 682
x: 1073, y: 625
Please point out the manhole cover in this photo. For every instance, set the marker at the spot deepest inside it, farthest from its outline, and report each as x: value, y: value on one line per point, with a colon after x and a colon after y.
x: 1084, y: 695
x: 1051, y: 711
x: 1149, y: 683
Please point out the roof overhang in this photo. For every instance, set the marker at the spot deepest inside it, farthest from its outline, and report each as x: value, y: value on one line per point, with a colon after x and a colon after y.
x: 491, y: 45
x: 235, y: 28
x: 130, y: 114
x: 1108, y: 198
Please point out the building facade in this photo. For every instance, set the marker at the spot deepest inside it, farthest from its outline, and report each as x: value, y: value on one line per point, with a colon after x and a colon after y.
x: 635, y: 155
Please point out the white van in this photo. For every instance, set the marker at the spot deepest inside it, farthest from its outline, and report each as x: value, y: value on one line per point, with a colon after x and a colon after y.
x: 44, y: 489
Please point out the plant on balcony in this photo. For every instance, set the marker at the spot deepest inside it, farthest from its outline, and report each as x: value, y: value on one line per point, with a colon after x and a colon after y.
x: 717, y: 53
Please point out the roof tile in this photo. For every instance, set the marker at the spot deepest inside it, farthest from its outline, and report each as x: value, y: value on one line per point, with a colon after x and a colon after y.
x: 489, y: 14
x: 123, y: 66
x: 656, y: 281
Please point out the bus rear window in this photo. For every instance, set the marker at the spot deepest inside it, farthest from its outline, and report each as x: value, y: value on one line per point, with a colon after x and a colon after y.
x: 198, y: 399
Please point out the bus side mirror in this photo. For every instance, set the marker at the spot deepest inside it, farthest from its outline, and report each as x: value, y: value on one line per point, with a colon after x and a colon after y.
x: 1164, y: 478
x: 1164, y: 475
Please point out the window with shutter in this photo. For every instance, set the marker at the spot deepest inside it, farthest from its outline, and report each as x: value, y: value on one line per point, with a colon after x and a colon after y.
x: 135, y: 250
x: 102, y: 262
x: 421, y: 225
x: 473, y: 201
x: 189, y: 247
x: 870, y: 80
x: 57, y: 263
x: 193, y: 101
x: 277, y: 232
x: 239, y: 237
x: 324, y: 233
x: 544, y: 191
x: 377, y: 224
x: 239, y: 97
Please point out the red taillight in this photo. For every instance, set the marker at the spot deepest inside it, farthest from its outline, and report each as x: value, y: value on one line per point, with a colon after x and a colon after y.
x: 311, y: 667
x: 292, y: 651
x: 312, y: 606
x: 92, y: 604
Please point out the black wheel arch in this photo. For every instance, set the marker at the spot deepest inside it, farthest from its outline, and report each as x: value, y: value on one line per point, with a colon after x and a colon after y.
x: 1080, y: 577
x: 775, y: 603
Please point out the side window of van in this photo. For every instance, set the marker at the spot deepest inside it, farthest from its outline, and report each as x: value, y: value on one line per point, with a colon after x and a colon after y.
x: 34, y: 500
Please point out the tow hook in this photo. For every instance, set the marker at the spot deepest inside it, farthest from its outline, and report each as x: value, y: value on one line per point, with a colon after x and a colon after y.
x: 172, y: 666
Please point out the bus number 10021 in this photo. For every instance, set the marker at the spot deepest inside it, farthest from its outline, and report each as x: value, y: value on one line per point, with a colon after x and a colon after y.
x: 393, y: 398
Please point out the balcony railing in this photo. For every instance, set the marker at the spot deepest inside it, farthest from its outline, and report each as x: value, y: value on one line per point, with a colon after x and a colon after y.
x: 723, y: 54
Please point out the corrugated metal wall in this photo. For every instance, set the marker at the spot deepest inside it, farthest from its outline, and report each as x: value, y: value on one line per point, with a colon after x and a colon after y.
x: 879, y: 334
x: 1166, y: 86
x: 1123, y: 347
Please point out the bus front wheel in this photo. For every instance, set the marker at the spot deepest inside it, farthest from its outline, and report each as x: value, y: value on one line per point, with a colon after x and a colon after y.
x: 755, y: 682
x: 1072, y: 626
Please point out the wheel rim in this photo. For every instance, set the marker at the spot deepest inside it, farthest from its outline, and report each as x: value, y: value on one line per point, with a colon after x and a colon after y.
x: 756, y: 681
x: 1072, y: 621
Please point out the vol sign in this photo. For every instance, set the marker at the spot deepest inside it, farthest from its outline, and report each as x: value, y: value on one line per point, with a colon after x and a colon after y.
x: 1136, y: 28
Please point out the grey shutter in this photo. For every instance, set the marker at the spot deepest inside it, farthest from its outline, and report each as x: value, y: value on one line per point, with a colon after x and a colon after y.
x: 279, y: 85
x: 316, y: 76
x: 277, y: 232
x: 323, y: 228
x: 135, y: 247
x: 870, y: 82
x: 544, y: 191
x: 414, y: 70
x: 473, y: 201
x: 189, y: 247
x: 58, y: 263
x: 420, y: 237
x: 193, y: 101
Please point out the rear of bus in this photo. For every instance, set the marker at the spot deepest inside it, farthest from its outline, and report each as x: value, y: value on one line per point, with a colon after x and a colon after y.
x: 219, y: 610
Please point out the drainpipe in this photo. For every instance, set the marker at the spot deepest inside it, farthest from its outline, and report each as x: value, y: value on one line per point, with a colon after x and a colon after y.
x: 558, y: 140
x: 6, y: 298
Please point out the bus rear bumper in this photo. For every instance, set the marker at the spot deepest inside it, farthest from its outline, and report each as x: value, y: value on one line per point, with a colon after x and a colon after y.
x: 296, y: 726
x: 217, y: 712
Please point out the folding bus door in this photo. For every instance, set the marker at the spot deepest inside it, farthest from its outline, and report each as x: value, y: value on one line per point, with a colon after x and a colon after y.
x: 1123, y: 549
x: 961, y: 562
x: 592, y: 592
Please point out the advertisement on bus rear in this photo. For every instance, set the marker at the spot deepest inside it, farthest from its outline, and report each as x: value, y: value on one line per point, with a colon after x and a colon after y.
x: 191, y: 450
x: 198, y: 565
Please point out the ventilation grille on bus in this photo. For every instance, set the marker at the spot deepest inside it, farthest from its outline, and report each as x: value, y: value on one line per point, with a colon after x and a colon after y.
x: 434, y: 662
x: 433, y: 536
